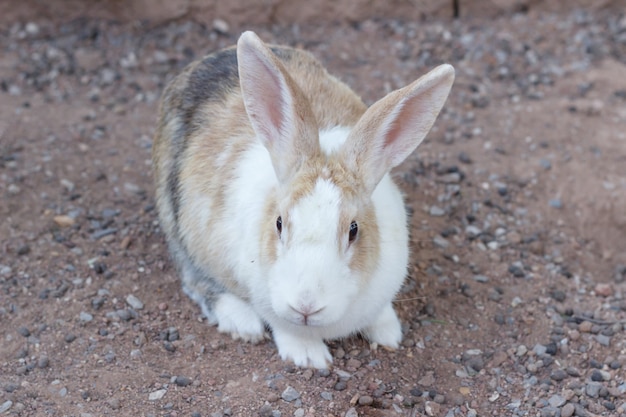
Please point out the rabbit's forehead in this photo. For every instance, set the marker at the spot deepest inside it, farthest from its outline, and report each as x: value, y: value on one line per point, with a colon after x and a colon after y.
x: 315, y: 212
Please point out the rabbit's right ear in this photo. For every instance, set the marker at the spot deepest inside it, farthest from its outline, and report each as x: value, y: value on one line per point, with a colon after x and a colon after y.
x: 393, y: 127
x: 278, y: 111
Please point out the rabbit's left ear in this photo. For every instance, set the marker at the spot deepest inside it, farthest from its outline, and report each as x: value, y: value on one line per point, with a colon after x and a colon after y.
x: 395, y: 125
x: 278, y: 111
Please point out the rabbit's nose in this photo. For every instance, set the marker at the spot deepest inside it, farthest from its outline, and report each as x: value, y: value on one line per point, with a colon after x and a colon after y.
x: 305, y: 312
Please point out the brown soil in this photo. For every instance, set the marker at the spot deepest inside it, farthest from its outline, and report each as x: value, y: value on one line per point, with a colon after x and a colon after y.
x: 518, y: 202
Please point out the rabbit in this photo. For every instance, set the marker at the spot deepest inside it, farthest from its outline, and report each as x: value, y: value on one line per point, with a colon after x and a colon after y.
x: 274, y: 195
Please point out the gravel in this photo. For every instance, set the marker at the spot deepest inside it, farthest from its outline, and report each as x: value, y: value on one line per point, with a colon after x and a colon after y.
x: 290, y: 394
x: 576, y: 368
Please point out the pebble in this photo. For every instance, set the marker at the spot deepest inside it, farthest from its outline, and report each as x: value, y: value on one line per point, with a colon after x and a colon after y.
x: 340, y: 386
x: 352, y: 412
x: 539, y: 349
x: 365, y: 400
x: 85, y: 317
x: 603, y: 340
x: 472, y: 231
x: 558, y: 375
x: 440, y: 242
x: 70, y: 337
x: 157, y: 395
x: 603, y: 289
x: 481, y: 278
x: 568, y: 410
x: 436, y: 211
x: 134, y: 302
x: 556, y: 401
x: 432, y: 408
x: 5, y: 406
x: 465, y: 158
x: 182, y: 381
x: 592, y: 389
x: 64, y: 221
x: 221, y: 26
x: 23, y: 331
x: 290, y: 394
x: 555, y: 203
x: 43, y: 362
x: 328, y: 396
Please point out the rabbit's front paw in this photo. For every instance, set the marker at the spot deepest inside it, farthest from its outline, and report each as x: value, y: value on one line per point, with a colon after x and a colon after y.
x: 236, y: 317
x: 302, y: 352
x: 386, y: 330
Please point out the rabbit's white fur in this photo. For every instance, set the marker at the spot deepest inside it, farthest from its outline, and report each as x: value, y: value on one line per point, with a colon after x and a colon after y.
x: 270, y: 135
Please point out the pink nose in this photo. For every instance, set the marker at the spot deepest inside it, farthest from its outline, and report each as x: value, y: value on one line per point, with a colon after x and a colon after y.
x: 306, y: 311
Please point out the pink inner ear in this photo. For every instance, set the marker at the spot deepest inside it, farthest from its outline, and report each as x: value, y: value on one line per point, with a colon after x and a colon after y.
x: 263, y: 94
x: 407, y: 126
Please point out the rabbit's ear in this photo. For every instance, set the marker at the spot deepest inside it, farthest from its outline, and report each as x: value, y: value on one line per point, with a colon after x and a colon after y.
x: 278, y: 111
x: 393, y: 127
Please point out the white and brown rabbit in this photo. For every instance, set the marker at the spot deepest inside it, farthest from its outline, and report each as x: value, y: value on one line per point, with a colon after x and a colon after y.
x: 274, y: 195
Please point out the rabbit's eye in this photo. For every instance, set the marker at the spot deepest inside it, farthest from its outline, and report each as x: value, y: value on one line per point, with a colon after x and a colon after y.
x: 279, y: 224
x: 354, y: 228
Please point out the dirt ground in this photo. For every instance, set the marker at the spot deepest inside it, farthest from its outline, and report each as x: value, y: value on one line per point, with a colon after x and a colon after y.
x: 514, y: 302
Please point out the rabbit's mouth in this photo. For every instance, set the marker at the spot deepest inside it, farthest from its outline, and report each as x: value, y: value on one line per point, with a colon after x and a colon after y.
x: 306, y: 316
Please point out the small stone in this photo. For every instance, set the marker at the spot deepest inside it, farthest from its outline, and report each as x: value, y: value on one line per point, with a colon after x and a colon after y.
x: 6, y: 406
x: 568, y: 410
x: 436, y: 211
x: 440, y: 242
x: 23, y: 331
x: 340, y: 386
x: 556, y: 401
x: 585, y: 327
x: 539, y: 350
x: 124, y: 314
x: 451, y: 178
x: 290, y: 394
x: 157, y: 395
x: 114, y: 403
x: 67, y: 184
x: 558, y: 295
x: 481, y: 278
x: 603, y: 340
x: 328, y: 396
x: 517, y: 270
x: 592, y: 389
x: 70, y: 337
x: 365, y: 400
x: 352, y: 412
x: 545, y: 164
x: 427, y: 380
x: 609, y: 405
x: 558, y: 375
x: 182, y: 381
x: 134, y: 302
x: 64, y: 221
x: 555, y: 203
x: 465, y: 158
x: 85, y: 317
x: 432, y: 408
x: 551, y: 348
x: 221, y: 26
x: 603, y: 290
x: 135, y: 354
x: 43, y: 362
x: 521, y: 350
x: 472, y: 231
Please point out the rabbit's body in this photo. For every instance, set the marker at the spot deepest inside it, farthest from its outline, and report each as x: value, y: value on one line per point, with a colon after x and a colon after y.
x: 258, y: 199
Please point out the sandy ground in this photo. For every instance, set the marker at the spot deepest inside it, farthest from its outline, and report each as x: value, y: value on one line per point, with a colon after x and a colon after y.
x: 513, y: 304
